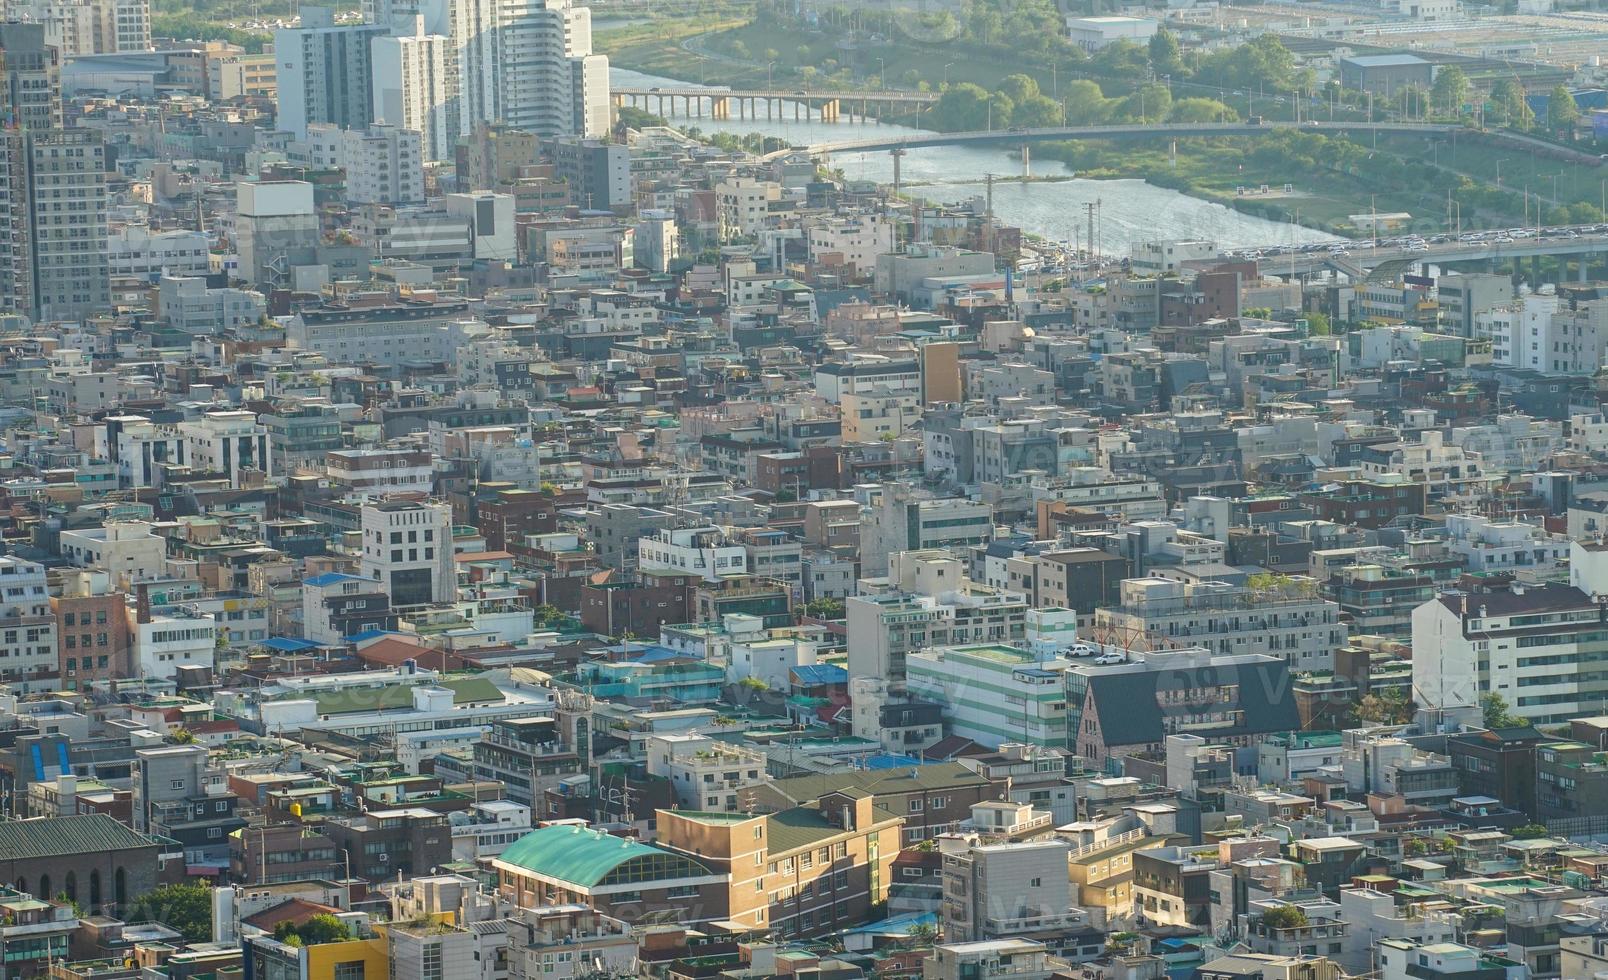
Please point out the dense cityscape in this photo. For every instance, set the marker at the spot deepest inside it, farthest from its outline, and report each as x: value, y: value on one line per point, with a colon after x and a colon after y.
x: 942, y: 489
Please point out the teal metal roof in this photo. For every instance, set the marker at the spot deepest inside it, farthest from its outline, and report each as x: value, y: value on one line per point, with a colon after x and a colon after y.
x: 573, y: 853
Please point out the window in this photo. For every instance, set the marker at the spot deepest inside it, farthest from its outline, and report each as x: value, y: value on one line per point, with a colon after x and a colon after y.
x: 349, y: 971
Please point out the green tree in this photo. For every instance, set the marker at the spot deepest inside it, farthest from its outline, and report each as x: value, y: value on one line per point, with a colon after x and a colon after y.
x: 1121, y: 59
x: 1150, y: 101
x: 922, y: 934
x: 1086, y: 104
x: 1019, y: 87
x: 1198, y: 110
x: 999, y: 111
x: 1166, y: 58
x: 1509, y: 107
x: 1284, y: 917
x: 186, y: 908
x: 1494, y: 709
x: 1562, y: 112
x: 630, y: 117
x: 1389, y: 707
x: 1318, y: 324
x: 825, y: 607
x: 1450, y: 90
x: 961, y: 107
x: 1038, y: 112
x: 1529, y: 831
x: 317, y: 930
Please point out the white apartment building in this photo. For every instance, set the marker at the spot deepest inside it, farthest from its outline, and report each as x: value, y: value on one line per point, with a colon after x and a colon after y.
x: 853, y: 240
x: 189, y: 306
x: 1512, y: 443
x: 139, y: 447
x: 1540, y: 647
x: 1092, y: 488
x: 135, y: 250
x: 377, y: 472
x: 1303, y: 630
x: 1004, y: 890
x: 78, y: 28
x: 384, y: 164
x: 491, y: 826
x: 551, y: 83
x: 129, y: 551
x: 492, y: 233
x: 658, y: 239
x: 165, y: 643
x: 742, y: 206
x: 27, y: 626
x: 869, y: 416
x: 701, y: 551
x: 227, y: 443
x: 1018, y: 959
x: 1503, y: 546
x: 1375, y: 915
x: 386, y: 335
x: 1533, y: 333
x: 407, y: 548
x: 324, y: 72
x: 994, y: 693
x: 415, y: 84
x: 1160, y: 257
x: 274, y: 221
x: 70, y: 268
x: 704, y: 773
x: 1442, y: 468
x: 897, y: 520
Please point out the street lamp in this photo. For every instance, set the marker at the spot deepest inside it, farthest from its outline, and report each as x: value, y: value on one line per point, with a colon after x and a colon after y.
x: 946, y: 73
x: 770, y: 78
x: 882, y: 73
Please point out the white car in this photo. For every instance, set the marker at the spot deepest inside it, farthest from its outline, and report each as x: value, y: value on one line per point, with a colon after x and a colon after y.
x: 1110, y: 658
x: 1082, y: 650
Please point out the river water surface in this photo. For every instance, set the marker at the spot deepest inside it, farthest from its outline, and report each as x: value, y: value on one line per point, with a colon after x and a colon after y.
x: 1130, y: 211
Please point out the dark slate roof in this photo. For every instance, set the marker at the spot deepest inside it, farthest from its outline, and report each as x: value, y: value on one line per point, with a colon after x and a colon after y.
x: 1536, y: 599
x: 884, y: 782
x: 1131, y: 715
x: 85, y: 833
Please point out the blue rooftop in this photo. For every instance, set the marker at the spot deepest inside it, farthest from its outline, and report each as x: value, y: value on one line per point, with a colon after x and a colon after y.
x: 821, y: 674
x: 895, y: 925
x: 287, y: 644
x: 658, y: 654
x: 887, y: 760
x: 367, y: 635
x: 332, y: 578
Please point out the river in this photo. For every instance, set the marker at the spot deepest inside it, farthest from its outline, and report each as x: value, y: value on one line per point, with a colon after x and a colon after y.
x: 1130, y: 211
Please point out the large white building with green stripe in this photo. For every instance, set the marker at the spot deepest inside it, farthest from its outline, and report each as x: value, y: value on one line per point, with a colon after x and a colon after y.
x: 993, y: 693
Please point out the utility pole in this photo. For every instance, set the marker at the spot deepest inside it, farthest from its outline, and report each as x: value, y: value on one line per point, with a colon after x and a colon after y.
x: 1090, y: 208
